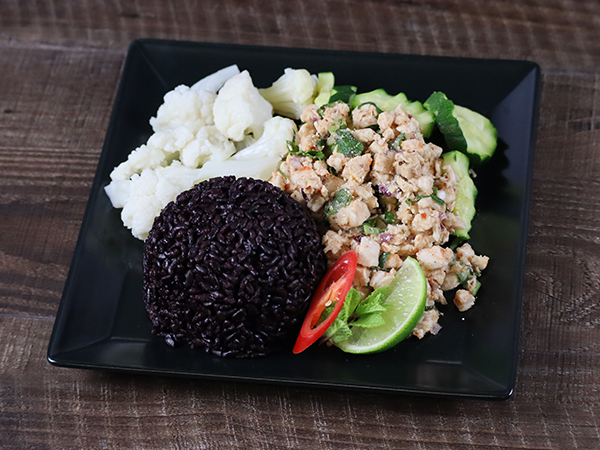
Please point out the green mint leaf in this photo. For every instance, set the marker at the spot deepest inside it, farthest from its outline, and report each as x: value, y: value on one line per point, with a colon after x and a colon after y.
x: 388, y: 217
x: 339, y: 331
x: 342, y: 199
x: 347, y: 144
x: 368, y: 308
x: 383, y: 259
x: 397, y: 144
x: 368, y: 229
x: 373, y: 303
x: 351, y: 302
x: 292, y: 147
x: 354, y: 312
x: 369, y: 320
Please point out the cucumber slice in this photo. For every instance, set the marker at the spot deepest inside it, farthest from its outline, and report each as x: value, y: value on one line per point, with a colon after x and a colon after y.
x: 467, y: 192
x: 480, y: 134
x: 324, y: 87
x: 443, y: 109
x: 464, y: 129
x: 423, y: 116
x: 381, y: 98
x: 342, y: 94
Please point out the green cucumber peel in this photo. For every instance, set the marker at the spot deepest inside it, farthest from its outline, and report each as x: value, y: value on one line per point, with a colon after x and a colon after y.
x: 377, y: 108
x: 425, y: 117
x: 466, y: 193
x: 342, y: 93
x: 381, y: 98
x: 481, y: 136
x: 443, y: 112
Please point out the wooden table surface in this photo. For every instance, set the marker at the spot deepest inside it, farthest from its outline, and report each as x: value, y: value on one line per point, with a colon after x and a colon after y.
x: 60, y: 63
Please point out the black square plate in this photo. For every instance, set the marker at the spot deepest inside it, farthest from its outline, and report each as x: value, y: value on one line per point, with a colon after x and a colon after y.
x: 102, y: 323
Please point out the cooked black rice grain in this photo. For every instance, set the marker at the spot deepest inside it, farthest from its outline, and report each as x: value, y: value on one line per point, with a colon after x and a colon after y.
x: 230, y: 266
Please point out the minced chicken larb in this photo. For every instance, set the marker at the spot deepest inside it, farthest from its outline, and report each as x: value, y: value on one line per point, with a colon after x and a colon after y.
x: 386, y: 195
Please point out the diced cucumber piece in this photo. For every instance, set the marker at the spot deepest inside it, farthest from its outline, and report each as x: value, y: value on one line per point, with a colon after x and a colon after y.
x: 423, y: 116
x: 324, y: 87
x: 480, y: 134
x: 381, y: 98
x: 467, y: 192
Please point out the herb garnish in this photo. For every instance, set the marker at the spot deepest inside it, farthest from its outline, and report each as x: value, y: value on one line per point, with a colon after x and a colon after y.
x: 347, y: 144
x: 293, y: 149
x: 342, y: 199
x: 356, y: 313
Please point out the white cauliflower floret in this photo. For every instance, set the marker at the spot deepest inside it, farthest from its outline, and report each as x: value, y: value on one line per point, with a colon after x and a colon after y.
x: 260, y: 159
x: 171, y: 140
x: 291, y: 93
x: 246, y: 142
x: 209, y: 144
x: 190, y: 144
x: 143, y: 157
x: 185, y: 107
x: 215, y: 81
x: 118, y: 192
x: 142, y: 205
x: 150, y: 192
x: 278, y: 131
x: 239, y: 108
x: 173, y: 180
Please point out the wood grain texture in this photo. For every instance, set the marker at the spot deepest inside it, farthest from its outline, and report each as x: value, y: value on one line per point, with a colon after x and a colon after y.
x: 60, y: 63
x: 558, y: 34
x: 47, y: 407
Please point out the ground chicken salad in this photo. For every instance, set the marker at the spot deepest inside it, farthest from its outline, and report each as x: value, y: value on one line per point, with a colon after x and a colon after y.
x: 366, y: 169
x: 391, y: 197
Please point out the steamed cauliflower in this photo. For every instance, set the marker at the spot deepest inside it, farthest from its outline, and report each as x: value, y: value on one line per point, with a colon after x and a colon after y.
x: 258, y: 160
x: 185, y: 107
x: 199, y: 134
x: 143, y: 157
x: 208, y: 145
x: 273, y: 142
x: 215, y: 81
x: 239, y: 109
x: 292, y: 92
x: 148, y: 193
x: 171, y: 140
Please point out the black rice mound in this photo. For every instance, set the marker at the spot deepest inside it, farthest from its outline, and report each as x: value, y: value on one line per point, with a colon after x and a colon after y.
x: 230, y: 266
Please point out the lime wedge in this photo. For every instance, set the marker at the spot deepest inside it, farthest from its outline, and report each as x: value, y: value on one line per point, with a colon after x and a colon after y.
x: 405, y: 306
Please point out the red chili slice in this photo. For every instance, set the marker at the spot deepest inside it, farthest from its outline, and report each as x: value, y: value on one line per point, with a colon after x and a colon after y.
x: 333, y: 289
